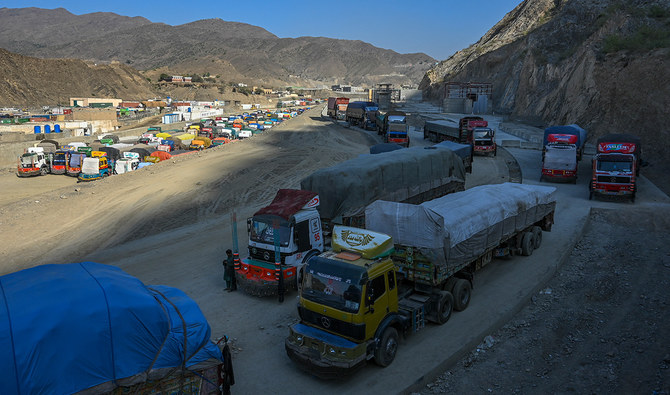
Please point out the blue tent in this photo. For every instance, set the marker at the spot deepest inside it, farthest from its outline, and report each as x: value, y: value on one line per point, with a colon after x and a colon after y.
x: 67, y: 328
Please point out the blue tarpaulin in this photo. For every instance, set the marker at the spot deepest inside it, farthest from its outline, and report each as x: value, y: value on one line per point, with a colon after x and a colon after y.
x: 66, y: 328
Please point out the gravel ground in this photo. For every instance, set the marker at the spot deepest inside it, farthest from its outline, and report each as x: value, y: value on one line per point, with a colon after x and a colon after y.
x: 598, y: 327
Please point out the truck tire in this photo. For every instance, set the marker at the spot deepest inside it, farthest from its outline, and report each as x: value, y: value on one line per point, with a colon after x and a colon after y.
x: 462, y: 293
x: 445, y: 306
x: 632, y: 197
x: 43, y: 171
x: 387, y: 348
x: 590, y: 195
x: 537, y: 237
x: 527, y: 244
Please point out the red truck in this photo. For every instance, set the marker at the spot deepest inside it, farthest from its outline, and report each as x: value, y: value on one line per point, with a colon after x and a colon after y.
x: 441, y: 130
x: 616, y: 166
x: 337, y: 107
x: 559, y: 158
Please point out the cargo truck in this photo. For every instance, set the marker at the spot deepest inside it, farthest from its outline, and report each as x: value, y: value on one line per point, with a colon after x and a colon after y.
x: 342, y: 192
x: 485, y: 141
x: 559, y: 158
x: 394, y: 128
x: 357, y: 300
x: 358, y: 112
x: 464, y: 151
x: 563, y: 133
x: 616, y: 166
x: 337, y: 107
x: 59, y: 163
x: 34, y: 162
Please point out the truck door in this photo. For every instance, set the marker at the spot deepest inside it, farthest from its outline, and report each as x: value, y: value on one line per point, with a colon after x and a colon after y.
x: 376, y: 304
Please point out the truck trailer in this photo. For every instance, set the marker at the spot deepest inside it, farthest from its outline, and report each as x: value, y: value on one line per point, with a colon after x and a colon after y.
x: 358, y: 299
x: 358, y: 112
x: 305, y: 218
x: 337, y: 107
x: 616, y: 166
x: 459, y: 132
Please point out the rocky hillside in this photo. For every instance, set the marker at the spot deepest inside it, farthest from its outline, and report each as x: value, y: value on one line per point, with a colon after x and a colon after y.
x: 233, y: 51
x: 600, y: 63
x: 30, y: 82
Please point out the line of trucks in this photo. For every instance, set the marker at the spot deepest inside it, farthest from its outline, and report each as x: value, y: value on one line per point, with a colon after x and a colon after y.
x: 614, y: 168
x: 380, y: 245
x: 391, y: 125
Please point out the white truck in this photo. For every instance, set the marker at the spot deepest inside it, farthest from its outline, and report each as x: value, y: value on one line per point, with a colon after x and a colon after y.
x: 34, y: 162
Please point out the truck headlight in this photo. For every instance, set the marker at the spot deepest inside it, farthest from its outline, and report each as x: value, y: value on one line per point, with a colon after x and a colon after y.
x: 331, y: 350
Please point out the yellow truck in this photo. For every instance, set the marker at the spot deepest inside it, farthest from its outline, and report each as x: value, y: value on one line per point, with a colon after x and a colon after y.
x: 357, y: 299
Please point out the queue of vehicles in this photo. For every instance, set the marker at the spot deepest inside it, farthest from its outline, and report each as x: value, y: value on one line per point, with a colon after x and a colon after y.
x: 108, y: 156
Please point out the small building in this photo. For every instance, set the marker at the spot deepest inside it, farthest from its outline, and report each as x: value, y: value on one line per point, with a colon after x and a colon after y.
x: 177, y: 78
x: 94, y: 102
x: 188, y: 79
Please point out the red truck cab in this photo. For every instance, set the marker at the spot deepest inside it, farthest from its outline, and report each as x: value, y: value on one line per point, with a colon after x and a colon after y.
x: 616, y: 166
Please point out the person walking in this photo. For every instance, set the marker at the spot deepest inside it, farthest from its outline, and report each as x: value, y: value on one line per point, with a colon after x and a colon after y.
x: 229, y: 271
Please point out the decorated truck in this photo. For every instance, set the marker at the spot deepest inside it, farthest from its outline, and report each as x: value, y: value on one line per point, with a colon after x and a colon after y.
x: 337, y: 107
x: 92, y: 328
x: 394, y: 128
x: 59, y: 162
x: 562, y: 134
x: 94, y: 169
x: 616, y: 166
x: 413, y: 264
x: 34, y: 162
x: 304, y: 218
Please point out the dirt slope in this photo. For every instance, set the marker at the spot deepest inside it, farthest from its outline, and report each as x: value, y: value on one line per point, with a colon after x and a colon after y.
x: 79, y: 219
x: 598, y: 327
x: 32, y: 82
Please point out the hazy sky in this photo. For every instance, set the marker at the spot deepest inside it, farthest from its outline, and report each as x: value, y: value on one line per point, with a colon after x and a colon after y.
x: 435, y: 27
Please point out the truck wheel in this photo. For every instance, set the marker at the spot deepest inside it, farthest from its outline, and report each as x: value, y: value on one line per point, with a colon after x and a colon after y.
x: 527, y: 244
x: 386, y: 350
x: 537, y: 237
x: 590, y: 195
x: 632, y: 198
x: 43, y: 171
x: 444, y: 307
x: 462, y: 292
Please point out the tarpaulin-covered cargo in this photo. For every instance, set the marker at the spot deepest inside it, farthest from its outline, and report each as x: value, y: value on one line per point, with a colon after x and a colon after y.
x: 161, y: 155
x: 385, y: 147
x: 409, y: 175
x: 112, y: 153
x: 456, y: 229
x: 568, y: 130
x: 462, y: 150
x: 92, y: 327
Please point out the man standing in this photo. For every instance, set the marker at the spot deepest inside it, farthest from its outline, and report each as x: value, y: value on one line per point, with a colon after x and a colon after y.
x: 229, y: 271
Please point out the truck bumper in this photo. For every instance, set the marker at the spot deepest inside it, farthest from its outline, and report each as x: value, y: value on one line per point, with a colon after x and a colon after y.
x: 27, y: 173
x: 323, y: 354
x: 258, y: 278
x: 88, y: 177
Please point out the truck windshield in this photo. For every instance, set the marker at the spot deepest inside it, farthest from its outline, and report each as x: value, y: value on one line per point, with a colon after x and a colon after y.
x: 483, y: 133
x: 396, y: 119
x: 333, y: 283
x: 262, y: 230
x: 615, y: 166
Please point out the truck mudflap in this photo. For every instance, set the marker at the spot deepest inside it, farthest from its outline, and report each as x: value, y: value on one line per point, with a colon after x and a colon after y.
x: 259, y: 278
x: 323, y: 354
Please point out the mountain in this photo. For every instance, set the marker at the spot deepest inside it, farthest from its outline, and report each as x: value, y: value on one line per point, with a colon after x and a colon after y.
x: 28, y: 81
x: 600, y: 63
x: 250, y: 53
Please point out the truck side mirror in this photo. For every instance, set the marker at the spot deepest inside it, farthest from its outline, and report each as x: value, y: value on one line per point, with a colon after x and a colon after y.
x: 248, y: 225
x: 368, y: 298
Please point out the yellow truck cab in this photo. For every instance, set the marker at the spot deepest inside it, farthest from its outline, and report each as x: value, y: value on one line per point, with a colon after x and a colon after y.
x: 348, y: 306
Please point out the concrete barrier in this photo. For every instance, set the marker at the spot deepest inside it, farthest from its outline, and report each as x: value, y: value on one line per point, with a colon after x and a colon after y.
x: 511, y: 143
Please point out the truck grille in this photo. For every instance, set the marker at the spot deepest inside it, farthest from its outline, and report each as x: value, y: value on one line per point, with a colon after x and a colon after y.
x: 354, y: 331
x: 261, y: 255
x: 614, y: 179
